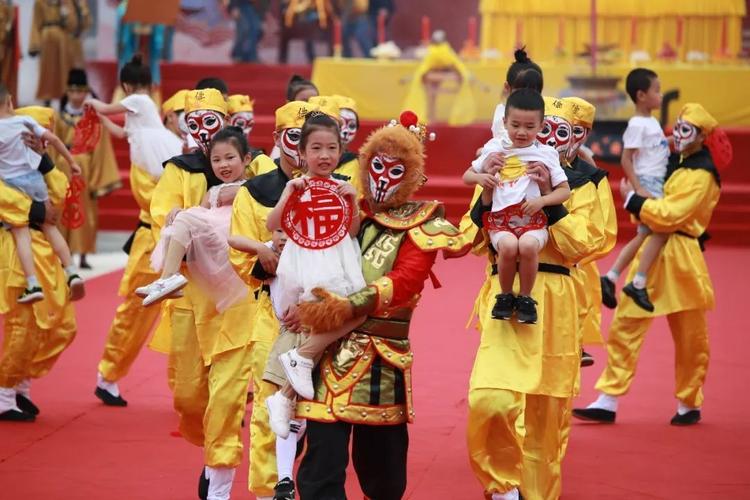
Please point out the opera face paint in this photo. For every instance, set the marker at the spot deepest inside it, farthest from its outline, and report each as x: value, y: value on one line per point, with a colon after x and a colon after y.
x: 290, y: 138
x: 556, y: 132
x: 580, y: 134
x: 350, y: 126
x: 386, y: 174
x: 203, y: 124
x: 244, y: 120
x: 684, y: 134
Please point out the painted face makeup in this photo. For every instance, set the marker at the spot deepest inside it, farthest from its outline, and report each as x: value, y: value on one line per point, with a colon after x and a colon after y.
x: 349, y: 127
x: 244, y: 120
x: 556, y: 132
x: 290, y: 138
x: 203, y: 124
x: 386, y: 174
x: 580, y: 134
x: 684, y: 134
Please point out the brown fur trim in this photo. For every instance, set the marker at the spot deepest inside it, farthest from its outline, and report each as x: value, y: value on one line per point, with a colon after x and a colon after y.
x: 327, y: 314
x: 397, y: 142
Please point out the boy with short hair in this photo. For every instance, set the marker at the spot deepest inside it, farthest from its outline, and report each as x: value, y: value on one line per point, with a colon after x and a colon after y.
x: 644, y: 161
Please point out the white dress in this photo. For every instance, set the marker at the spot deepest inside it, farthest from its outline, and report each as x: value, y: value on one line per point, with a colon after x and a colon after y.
x: 151, y: 144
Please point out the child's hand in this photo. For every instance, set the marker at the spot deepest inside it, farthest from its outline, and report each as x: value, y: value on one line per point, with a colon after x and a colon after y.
x: 346, y: 189
x: 298, y: 184
x: 171, y: 216
x: 487, y: 181
x: 75, y: 168
x: 530, y: 207
x: 268, y: 259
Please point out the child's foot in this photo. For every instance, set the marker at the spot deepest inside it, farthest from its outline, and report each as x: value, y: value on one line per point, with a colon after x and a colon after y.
x: 504, y: 303
x: 298, y: 370
x: 280, y: 413
x: 75, y: 285
x: 639, y: 296
x: 526, y: 309
x: 31, y: 295
x: 164, y: 288
x: 284, y: 490
x: 608, y: 292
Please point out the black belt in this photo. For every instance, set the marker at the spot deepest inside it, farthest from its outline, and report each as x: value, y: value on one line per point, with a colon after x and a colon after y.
x: 544, y: 268
x: 129, y: 244
x: 702, y: 239
x: 263, y: 288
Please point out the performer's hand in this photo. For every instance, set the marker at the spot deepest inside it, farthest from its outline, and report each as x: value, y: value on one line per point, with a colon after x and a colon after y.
x: 171, y: 216
x: 539, y: 173
x: 642, y: 192
x: 32, y: 141
x: 530, y: 207
x: 268, y: 259
x: 227, y: 195
x: 625, y: 187
x: 291, y: 319
x: 346, y: 189
x: 487, y: 181
x: 51, y: 214
x: 493, y: 163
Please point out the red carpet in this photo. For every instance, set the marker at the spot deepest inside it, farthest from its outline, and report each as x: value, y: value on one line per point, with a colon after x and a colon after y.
x: 79, y: 449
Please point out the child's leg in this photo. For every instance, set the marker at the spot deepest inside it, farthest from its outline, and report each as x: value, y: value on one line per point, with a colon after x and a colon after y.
x: 22, y: 237
x: 59, y: 245
x: 528, y: 248
x: 650, y: 252
x: 176, y: 248
x: 286, y: 451
x: 312, y: 346
x: 507, y: 254
x: 626, y: 255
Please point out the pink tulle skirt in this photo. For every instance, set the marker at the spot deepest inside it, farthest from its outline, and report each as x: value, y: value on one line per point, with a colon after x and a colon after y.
x: 204, y: 232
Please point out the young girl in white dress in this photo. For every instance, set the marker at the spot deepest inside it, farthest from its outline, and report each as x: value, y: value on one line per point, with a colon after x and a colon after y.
x: 151, y: 143
x: 199, y: 234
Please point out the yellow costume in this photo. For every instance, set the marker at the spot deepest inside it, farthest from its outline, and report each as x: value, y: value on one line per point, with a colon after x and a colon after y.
x: 209, y: 355
x: 49, y: 40
x: 678, y: 282
x: 524, y: 375
x: 35, y: 335
x: 79, y: 20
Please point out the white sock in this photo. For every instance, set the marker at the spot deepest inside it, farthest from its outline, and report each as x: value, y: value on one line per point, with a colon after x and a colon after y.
x: 70, y: 270
x: 682, y: 409
x: 110, y: 387
x: 24, y: 388
x: 604, y: 402
x: 612, y: 275
x: 8, y: 399
x: 508, y: 495
x: 639, y: 281
x: 286, y: 451
x: 32, y: 282
x: 219, y: 482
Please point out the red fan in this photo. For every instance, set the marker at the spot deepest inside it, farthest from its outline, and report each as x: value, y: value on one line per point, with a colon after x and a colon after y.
x: 72, y: 216
x: 87, y: 132
x: 721, y: 149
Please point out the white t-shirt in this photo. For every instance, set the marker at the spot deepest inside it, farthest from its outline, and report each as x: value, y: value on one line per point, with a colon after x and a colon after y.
x: 142, y: 113
x: 15, y: 157
x: 646, y: 135
x: 498, y: 125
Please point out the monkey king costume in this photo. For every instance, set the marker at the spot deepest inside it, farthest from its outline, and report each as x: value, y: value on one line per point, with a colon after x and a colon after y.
x: 363, y: 382
x: 678, y: 281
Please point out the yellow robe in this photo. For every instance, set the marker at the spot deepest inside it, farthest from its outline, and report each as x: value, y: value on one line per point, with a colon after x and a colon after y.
x: 49, y: 39
x: 79, y: 21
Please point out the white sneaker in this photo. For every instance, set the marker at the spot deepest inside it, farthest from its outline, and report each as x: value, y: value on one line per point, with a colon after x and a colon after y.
x: 164, y: 287
x: 298, y: 370
x: 509, y: 495
x: 280, y: 413
x: 143, y: 291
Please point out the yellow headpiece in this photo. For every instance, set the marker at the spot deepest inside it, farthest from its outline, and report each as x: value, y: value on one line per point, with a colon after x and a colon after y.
x: 345, y: 102
x: 175, y: 103
x: 328, y: 105
x: 239, y: 102
x: 44, y: 116
x: 583, y: 111
x: 210, y: 99
x: 697, y: 115
x: 292, y: 114
x: 558, y: 107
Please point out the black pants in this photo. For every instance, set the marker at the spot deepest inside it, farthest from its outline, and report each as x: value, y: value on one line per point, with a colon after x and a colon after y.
x: 378, y: 452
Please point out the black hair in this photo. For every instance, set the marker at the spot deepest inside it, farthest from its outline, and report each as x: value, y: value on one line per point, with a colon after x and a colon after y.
x: 639, y: 80
x: 78, y: 78
x: 318, y: 121
x: 135, y: 72
x: 521, y: 63
x: 231, y: 135
x: 297, y: 84
x: 528, y: 78
x: 211, y: 82
x: 526, y: 100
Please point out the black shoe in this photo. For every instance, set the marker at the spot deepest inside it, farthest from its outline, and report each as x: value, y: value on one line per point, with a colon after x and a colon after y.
x: 639, y: 296
x: 609, y: 299
x: 203, y: 485
x: 16, y: 416
x: 284, y: 490
x: 595, y: 415
x: 690, y: 418
x: 25, y: 405
x: 586, y: 359
x: 108, y: 399
x: 504, y: 303
x: 526, y: 309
